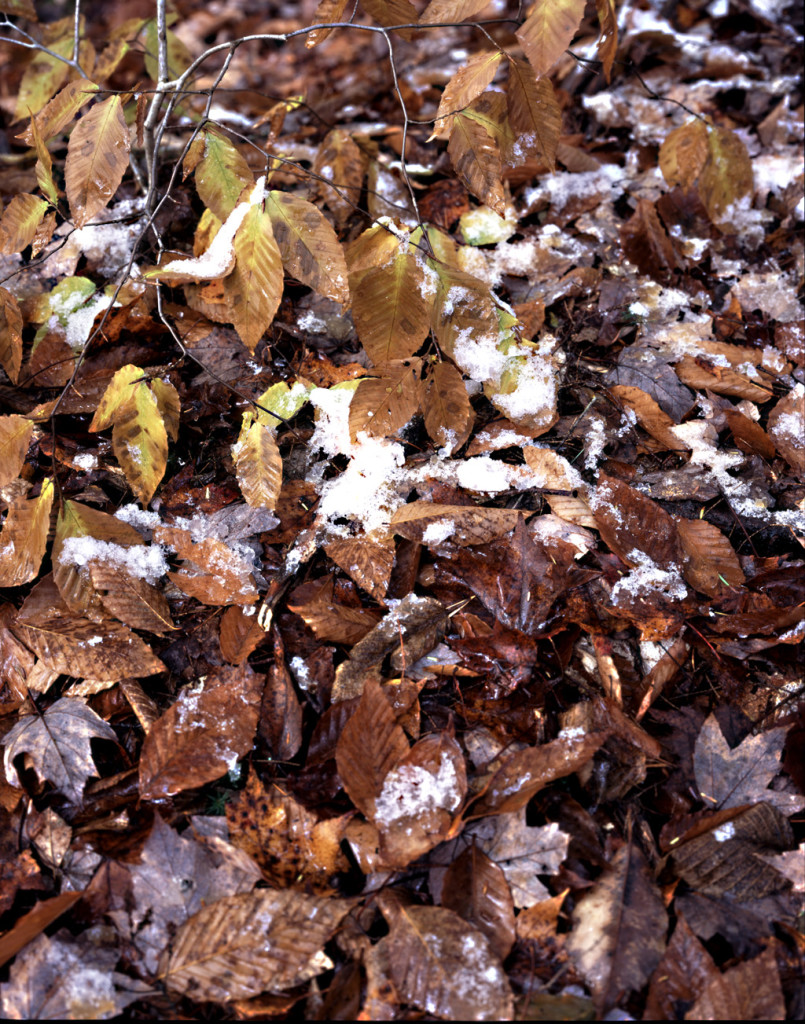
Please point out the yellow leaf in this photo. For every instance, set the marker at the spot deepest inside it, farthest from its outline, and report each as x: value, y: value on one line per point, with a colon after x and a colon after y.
x: 465, y: 85
x: 20, y: 8
x: 221, y: 175
x: 476, y: 159
x: 489, y: 110
x: 44, y: 168
x: 169, y: 405
x: 21, y: 218
x: 117, y: 392
x: 383, y: 405
x: 547, y: 33
x: 608, y: 41
x: 43, y: 77
x: 15, y: 436
x: 97, y: 158
x: 10, y: 335
x: 308, y: 245
x: 24, y: 537
x: 258, y: 464
x: 727, y: 175
x: 391, y: 308
x: 257, y: 281
x: 446, y: 405
x: 59, y: 111
x: 179, y: 57
x: 140, y: 442
x: 109, y: 59
x: 534, y: 113
x: 683, y: 154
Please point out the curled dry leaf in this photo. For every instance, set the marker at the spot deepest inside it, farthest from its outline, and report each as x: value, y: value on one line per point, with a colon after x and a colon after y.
x: 202, y: 735
x: 460, y: 524
x: 243, y: 945
x: 212, y: 571
x: 748, y: 991
x: 58, y: 743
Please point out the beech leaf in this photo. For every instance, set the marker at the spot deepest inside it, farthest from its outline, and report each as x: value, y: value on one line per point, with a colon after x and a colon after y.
x: 547, y: 32
x: 97, y: 158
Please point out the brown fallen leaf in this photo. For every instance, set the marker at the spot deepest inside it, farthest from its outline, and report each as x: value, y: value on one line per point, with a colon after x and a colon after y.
x: 202, y: 735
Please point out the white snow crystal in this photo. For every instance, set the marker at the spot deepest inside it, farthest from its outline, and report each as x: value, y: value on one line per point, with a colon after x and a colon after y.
x: 410, y: 791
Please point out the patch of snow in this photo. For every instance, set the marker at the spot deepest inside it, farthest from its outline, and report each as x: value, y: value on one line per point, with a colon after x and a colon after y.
x: 439, y: 531
x: 143, y: 561
x: 647, y: 577
x: 724, y: 832
x: 411, y: 790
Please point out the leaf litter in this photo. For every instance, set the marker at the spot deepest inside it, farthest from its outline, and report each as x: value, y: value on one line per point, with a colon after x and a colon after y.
x: 450, y: 661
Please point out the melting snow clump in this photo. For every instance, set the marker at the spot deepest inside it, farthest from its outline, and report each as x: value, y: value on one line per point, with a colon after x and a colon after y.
x: 144, y: 562
x: 410, y: 791
x: 648, y: 577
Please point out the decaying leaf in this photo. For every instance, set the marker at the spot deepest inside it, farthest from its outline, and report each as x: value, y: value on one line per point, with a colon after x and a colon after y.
x: 15, y: 437
x: 243, y: 945
x: 446, y: 967
x: 731, y: 778
x: 476, y: 889
x: 24, y: 537
x: 620, y: 926
x: 58, y: 743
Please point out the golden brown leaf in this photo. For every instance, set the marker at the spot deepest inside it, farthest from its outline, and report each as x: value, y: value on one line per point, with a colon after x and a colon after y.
x: 308, y: 245
x: 258, y: 464
x: 476, y: 159
x: 10, y: 336
x: 383, y: 405
x: 608, y: 41
x: 712, y: 564
x: 465, y: 85
x: 97, y: 158
x: 58, y: 112
x: 787, y: 428
x: 255, y: 286
x: 683, y: 154
x: 20, y: 221
x: 367, y: 560
x: 547, y: 32
x: 140, y: 442
x: 391, y: 307
x: 449, y: 416
x: 326, y: 11
x: 15, y: 437
x: 342, y: 164
x: 24, y: 537
x: 534, y: 113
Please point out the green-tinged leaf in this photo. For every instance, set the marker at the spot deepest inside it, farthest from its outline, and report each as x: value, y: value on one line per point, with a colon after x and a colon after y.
x: 24, y: 537
x: 44, y: 168
x: 258, y: 464
x: 327, y: 11
x: 383, y: 405
x: 118, y: 391
x: 547, y: 33
x: 20, y: 220
x: 140, y: 442
x: 179, y: 57
x: 308, y: 245
x: 97, y: 158
x: 391, y: 307
x: 489, y: 110
x: 683, y: 154
x: 170, y: 407
x: 257, y: 281
x: 727, y: 175
x: 465, y: 85
x: 59, y: 112
x: 43, y: 77
x: 608, y: 41
x: 534, y: 113
x: 221, y: 175
x: 476, y: 159
x: 10, y: 335
x: 283, y: 400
